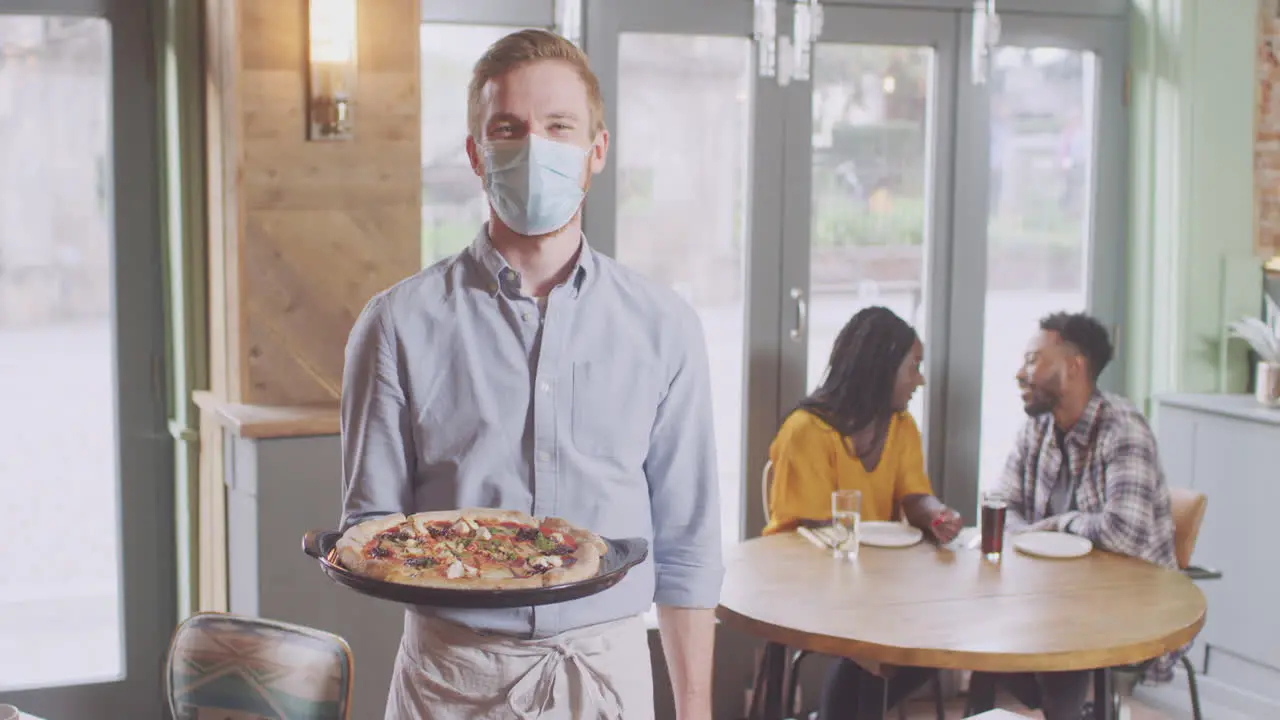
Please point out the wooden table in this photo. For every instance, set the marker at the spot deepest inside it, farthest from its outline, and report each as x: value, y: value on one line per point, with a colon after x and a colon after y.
x: 927, y: 607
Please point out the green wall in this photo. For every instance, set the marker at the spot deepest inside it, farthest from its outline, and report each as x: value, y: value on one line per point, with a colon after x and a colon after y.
x: 1191, y: 265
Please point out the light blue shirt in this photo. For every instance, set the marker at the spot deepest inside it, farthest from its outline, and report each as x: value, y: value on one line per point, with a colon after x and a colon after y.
x: 459, y: 392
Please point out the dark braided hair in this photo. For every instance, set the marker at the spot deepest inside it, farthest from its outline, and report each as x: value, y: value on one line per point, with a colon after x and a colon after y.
x: 858, y: 388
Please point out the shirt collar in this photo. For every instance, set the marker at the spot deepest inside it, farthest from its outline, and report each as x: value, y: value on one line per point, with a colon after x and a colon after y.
x: 1084, y: 427
x: 498, y: 274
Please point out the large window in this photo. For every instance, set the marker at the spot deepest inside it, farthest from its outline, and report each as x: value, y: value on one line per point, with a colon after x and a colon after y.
x: 1038, y: 230
x: 86, y: 469
x: 682, y: 202
x: 56, y: 370
x: 453, y: 203
x: 869, y: 192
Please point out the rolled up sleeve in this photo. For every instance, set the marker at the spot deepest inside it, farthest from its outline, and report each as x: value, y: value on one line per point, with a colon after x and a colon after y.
x: 377, y: 453
x: 683, y: 483
x: 1126, y: 524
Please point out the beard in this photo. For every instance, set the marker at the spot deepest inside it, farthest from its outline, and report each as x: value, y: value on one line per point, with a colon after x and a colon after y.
x: 1041, y: 399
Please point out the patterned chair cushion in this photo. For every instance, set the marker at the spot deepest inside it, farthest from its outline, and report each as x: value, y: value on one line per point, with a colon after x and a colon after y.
x: 230, y: 667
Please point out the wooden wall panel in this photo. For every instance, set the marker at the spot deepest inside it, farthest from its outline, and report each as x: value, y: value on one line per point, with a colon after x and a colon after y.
x: 301, y: 234
x: 322, y: 225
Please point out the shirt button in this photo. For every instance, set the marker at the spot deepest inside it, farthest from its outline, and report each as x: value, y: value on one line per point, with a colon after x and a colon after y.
x: 545, y: 387
x: 544, y: 456
x: 524, y: 317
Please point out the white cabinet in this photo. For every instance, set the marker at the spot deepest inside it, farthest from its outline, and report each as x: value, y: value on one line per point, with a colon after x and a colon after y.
x: 1228, y: 447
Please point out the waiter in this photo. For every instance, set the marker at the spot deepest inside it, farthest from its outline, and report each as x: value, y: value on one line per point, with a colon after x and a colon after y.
x: 531, y: 373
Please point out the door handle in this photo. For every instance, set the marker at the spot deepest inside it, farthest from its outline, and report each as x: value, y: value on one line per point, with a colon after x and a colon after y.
x: 802, y: 314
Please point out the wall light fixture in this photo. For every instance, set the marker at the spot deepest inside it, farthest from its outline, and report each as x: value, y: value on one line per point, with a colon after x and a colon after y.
x: 332, y: 73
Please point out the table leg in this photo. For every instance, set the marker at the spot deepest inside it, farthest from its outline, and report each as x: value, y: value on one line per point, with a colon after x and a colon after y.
x: 873, y: 697
x: 766, y: 698
x: 1104, y: 695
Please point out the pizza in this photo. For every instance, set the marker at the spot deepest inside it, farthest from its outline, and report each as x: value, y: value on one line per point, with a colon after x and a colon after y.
x: 473, y: 548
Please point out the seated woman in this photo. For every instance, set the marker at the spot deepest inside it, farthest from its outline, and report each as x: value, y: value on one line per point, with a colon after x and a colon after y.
x: 854, y: 433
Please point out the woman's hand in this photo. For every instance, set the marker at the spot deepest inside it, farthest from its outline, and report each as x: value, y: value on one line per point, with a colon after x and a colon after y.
x: 946, y: 525
x: 932, y: 517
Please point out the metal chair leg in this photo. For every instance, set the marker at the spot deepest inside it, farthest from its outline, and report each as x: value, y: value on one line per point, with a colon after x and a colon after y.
x: 793, y: 681
x: 939, y: 707
x: 1191, y: 684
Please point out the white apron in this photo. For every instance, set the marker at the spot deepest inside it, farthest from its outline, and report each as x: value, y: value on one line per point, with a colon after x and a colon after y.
x: 444, y: 671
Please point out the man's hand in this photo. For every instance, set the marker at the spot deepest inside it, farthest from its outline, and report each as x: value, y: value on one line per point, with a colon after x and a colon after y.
x: 688, y: 641
x: 1049, y: 524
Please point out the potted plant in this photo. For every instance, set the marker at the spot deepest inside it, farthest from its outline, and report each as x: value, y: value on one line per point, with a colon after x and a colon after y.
x: 1264, y: 338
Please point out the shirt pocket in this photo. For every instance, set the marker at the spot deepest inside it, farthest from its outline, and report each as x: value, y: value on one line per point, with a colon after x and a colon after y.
x: 614, y: 405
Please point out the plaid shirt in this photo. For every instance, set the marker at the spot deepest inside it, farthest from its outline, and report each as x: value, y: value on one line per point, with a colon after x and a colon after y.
x: 1121, y: 495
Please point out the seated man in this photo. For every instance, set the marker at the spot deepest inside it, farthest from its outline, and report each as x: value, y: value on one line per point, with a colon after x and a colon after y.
x: 1085, y: 463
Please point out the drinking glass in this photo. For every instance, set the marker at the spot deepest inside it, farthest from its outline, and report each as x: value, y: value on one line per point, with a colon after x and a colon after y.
x: 9, y: 712
x: 994, y: 509
x: 846, y: 512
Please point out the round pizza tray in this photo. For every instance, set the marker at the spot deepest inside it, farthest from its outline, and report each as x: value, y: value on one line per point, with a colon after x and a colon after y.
x: 622, y: 556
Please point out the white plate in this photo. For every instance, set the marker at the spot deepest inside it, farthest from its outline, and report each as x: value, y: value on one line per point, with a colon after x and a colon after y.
x: 1052, y: 544
x: 888, y: 534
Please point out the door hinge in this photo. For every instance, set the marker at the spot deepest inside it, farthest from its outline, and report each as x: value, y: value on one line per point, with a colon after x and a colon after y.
x: 786, y: 61
x: 806, y: 28
x: 180, y: 431
x: 986, y: 35
x: 568, y: 14
x: 765, y: 34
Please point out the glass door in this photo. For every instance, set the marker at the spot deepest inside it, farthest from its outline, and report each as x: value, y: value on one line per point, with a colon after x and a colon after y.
x: 867, y: 219
x: 678, y: 200
x: 88, y: 590
x: 1056, y: 214
x: 971, y: 209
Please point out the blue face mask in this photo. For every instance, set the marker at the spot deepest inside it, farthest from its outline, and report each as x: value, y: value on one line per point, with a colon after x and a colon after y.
x: 535, y: 184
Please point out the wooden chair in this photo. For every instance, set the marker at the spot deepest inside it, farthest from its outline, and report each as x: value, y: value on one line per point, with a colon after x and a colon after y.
x: 793, y: 666
x: 766, y: 486
x: 231, y: 667
x: 1188, y: 508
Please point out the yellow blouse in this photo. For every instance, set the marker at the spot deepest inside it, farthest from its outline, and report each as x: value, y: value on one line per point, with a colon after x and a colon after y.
x: 810, y: 460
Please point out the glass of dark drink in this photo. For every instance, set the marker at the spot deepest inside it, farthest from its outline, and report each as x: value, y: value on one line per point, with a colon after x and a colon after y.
x: 993, y: 513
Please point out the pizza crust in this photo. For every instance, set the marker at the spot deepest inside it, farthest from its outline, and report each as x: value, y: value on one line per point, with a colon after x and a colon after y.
x: 580, y: 536
x: 350, y: 547
x: 591, y: 549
